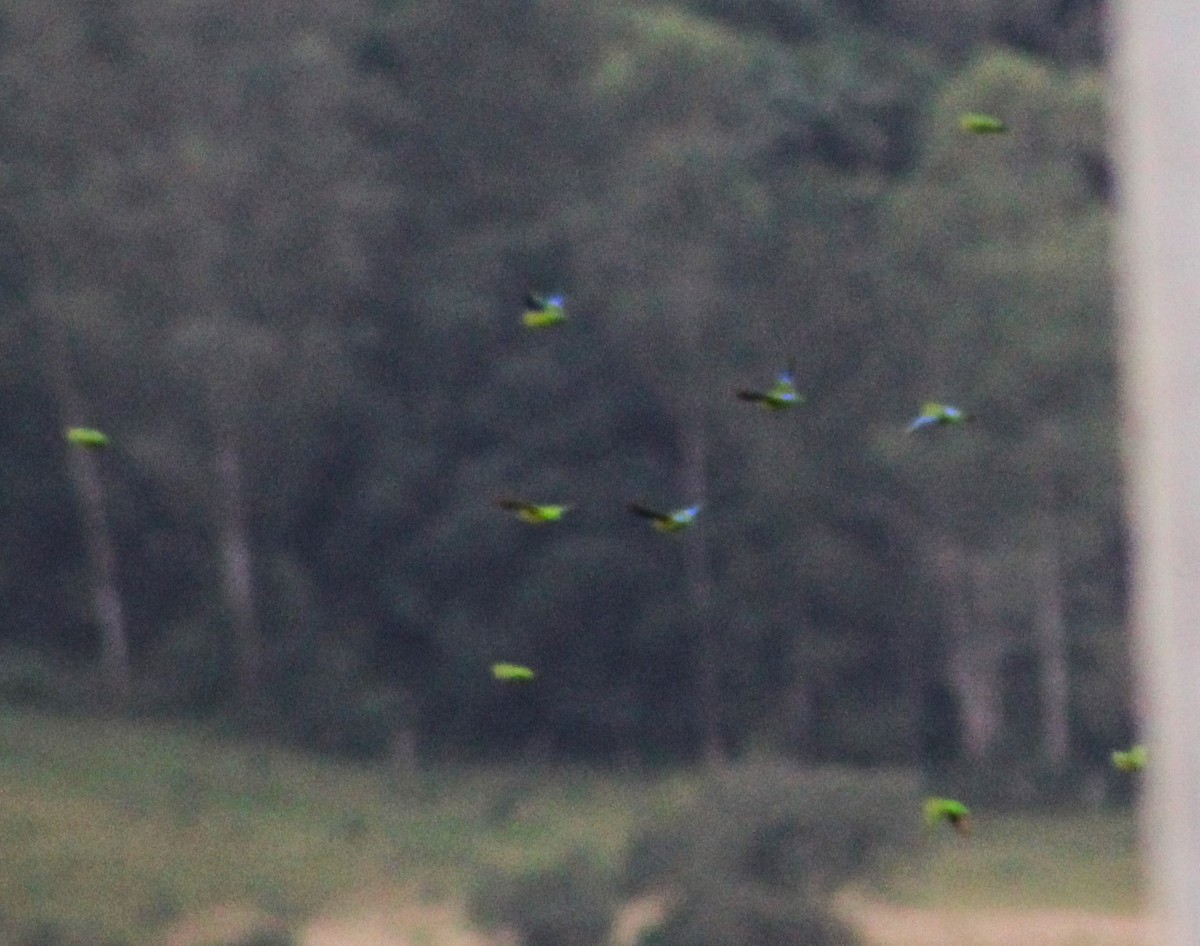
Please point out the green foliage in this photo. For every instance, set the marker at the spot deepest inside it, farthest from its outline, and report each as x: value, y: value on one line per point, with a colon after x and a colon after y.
x: 326, y: 224
x: 570, y: 904
x: 757, y: 854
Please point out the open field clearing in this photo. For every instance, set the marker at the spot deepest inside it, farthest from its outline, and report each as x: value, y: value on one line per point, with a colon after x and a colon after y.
x: 152, y: 834
x: 397, y: 920
x: 887, y: 924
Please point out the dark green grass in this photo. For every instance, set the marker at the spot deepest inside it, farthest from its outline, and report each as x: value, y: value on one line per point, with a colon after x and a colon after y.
x: 112, y: 830
x: 109, y: 831
x: 1087, y: 861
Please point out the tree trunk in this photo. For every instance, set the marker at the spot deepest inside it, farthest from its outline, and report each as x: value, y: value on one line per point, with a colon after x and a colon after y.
x: 974, y: 677
x: 236, y: 559
x: 83, y: 468
x: 974, y: 653
x: 698, y: 570
x: 1052, y: 647
x: 1050, y: 611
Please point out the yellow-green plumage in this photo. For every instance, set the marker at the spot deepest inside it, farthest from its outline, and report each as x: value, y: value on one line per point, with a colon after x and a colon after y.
x: 87, y: 437
x: 953, y: 812
x: 544, y: 311
x: 934, y: 414
x: 535, y: 513
x: 979, y: 124
x: 1132, y: 759
x: 779, y: 396
x: 512, y: 673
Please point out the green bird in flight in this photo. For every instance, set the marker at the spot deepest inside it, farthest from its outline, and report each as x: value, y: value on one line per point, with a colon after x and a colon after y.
x: 779, y: 396
x: 1132, y: 759
x: 979, y: 124
x: 544, y: 311
x: 954, y: 813
x: 535, y: 513
x: 87, y: 437
x: 512, y: 673
x: 938, y: 415
x: 674, y: 521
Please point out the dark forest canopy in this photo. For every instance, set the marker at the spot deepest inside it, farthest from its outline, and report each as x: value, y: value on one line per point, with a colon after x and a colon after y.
x: 280, y: 258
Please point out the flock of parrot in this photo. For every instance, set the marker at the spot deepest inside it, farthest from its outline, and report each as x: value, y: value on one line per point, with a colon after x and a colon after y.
x: 550, y: 311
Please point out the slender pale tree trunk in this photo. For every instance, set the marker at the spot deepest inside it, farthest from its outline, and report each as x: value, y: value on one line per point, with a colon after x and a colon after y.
x: 973, y: 654
x: 237, y: 569
x: 1052, y: 648
x: 83, y: 468
x: 1049, y: 617
x: 698, y: 569
x: 974, y: 679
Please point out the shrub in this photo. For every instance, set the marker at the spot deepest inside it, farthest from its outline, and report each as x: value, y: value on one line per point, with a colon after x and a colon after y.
x: 758, y: 853
x: 570, y: 904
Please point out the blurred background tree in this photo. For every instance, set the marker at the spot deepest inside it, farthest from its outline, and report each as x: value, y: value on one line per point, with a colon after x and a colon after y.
x: 285, y: 253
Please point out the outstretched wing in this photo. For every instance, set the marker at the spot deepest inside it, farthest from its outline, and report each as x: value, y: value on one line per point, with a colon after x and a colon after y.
x: 646, y: 513
x: 756, y: 397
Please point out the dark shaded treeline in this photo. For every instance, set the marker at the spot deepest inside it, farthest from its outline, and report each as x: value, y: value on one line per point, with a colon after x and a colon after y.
x: 279, y: 257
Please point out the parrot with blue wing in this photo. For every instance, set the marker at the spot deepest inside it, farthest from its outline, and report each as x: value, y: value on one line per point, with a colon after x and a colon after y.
x: 673, y: 521
x: 779, y: 396
x: 544, y: 311
x: 939, y: 415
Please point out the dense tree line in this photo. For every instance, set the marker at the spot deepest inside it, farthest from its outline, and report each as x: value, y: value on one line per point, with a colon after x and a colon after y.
x: 279, y: 256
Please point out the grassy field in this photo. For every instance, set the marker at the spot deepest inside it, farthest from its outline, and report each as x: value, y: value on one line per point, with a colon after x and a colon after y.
x: 137, y: 834
x: 1086, y: 861
x: 1029, y: 880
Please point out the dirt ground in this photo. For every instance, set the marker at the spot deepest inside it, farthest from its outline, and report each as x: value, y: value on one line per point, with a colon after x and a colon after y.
x: 396, y: 919
x: 884, y: 924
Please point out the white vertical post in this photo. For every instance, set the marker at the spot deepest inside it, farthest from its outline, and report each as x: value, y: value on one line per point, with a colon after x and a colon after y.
x: 1156, y: 125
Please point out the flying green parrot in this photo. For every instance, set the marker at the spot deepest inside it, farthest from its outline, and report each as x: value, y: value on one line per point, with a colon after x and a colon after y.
x: 512, y: 673
x: 535, y: 513
x: 544, y: 311
x: 954, y: 813
x: 780, y: 395
x: 1132, y: 759
x: 979, y: 124
x: 87, y: 437
x: 674, y: 521
x: 938, y: 415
